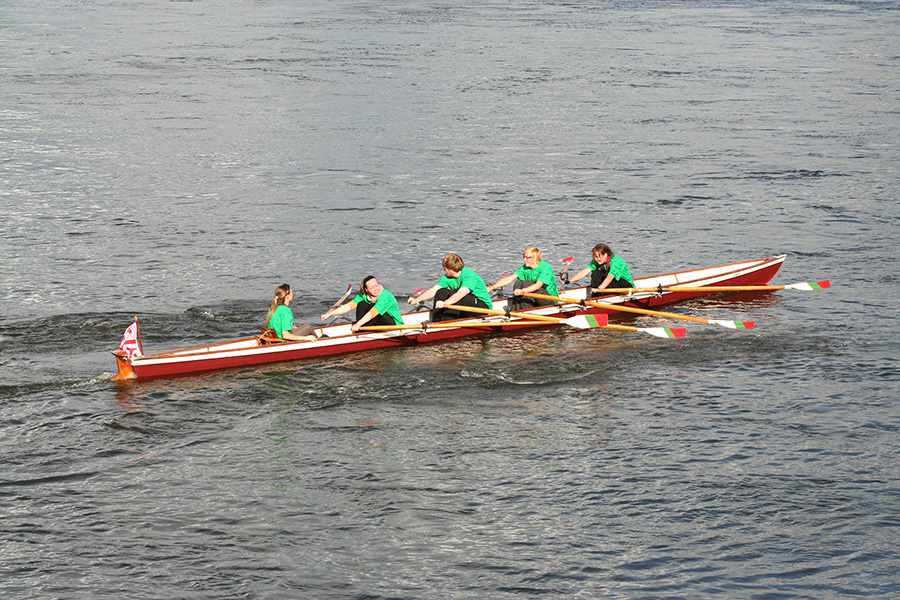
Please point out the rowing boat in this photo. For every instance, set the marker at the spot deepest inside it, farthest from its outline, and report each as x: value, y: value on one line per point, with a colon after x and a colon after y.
x: 262, y: 349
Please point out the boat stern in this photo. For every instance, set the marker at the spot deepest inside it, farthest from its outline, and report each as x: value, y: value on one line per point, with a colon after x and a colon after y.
x: 125, y: 369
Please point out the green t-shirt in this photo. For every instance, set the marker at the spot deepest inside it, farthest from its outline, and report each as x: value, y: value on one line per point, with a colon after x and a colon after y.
x: 385, y: 304
x: 468, y: 279
x: 543, y: 273
x: 617, y: 268
x: 282, y: 320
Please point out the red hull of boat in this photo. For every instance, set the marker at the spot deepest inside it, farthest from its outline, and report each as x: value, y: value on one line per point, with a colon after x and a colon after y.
x: 250, y: 352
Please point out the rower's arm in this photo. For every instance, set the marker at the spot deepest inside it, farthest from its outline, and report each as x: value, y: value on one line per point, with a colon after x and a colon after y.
x: 581, y: 274
x: 365, y: 319
x: 605, y: 283
x: 456, y: 297
x: 343, y: 308
x: 531, y: 288
x: 501, y: 282
x: 426, y: 295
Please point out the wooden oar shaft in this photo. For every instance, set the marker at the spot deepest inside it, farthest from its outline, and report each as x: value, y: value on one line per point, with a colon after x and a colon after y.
x: 448, y: 325
x: 622, y: 327
x: 489, y: 311
x: 630, y: 309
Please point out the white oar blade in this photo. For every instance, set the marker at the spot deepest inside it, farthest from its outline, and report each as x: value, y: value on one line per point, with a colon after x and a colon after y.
x: 587, y: 321
x: 734, y: 324
x: 809, y: 286
x: 347, y: 293
x: 665, y: 332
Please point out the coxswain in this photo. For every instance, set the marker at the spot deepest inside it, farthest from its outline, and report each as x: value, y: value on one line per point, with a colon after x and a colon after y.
x: 280, y: 317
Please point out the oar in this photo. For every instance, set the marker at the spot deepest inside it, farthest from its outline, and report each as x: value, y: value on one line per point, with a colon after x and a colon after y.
x: 496, y: 292
x: 564, y: 276
x: 581, y: 322
x: 445, y: 325
x: 416, y: 293
x: 805, y: 286
x: 347, y: 293
x: 644, y: 311
x: 661, y: 332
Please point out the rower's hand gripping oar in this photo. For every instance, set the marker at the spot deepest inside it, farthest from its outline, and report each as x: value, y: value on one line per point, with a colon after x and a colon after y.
x: 804, y: 286
x: 497, y: 292
x: 419, y: 304
x: 644, y: 311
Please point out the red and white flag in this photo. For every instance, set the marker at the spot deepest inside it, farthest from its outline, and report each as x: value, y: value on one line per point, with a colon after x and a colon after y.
x: 129, y: 343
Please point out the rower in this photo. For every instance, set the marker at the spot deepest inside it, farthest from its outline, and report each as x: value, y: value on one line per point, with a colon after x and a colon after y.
x: 533, y: 277
x: 460, y: 286
x: 607, y: 270
x: 374, y: 306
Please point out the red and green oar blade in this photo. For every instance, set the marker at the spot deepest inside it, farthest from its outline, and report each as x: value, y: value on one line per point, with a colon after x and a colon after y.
x: 809, y: 286
x: 732, y: 324
x: 592, y: 321
x: 587, y: 321
x: 666, y: 332
x: 660, y: 332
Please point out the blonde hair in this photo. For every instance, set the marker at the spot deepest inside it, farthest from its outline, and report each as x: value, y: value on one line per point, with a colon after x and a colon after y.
x: 281, y: 292
x: 535, y: 251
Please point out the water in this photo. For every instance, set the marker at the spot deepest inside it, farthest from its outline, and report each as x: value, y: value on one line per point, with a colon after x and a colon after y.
x: 179, y: 160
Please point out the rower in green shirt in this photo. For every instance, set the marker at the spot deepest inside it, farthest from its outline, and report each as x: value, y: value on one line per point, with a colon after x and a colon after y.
x: 461, y: 286
x: 535, y: 276
x: 281, y: 318
x: 374, y: 306
x: 607, y: 270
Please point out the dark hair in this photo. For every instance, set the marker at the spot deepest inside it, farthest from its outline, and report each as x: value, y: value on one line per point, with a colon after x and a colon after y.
x: 362, y: 286
x: 602, y: 249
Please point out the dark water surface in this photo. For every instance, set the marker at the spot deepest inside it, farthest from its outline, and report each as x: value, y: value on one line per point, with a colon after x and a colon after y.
x: 178, y: 160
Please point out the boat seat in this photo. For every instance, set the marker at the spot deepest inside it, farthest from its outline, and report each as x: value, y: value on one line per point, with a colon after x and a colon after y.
x: 269, y: 336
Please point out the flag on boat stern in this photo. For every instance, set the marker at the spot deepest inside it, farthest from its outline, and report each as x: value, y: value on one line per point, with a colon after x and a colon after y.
x: 129, y: 344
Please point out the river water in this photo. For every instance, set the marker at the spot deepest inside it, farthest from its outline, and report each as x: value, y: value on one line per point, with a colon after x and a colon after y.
x: 178, y: 160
